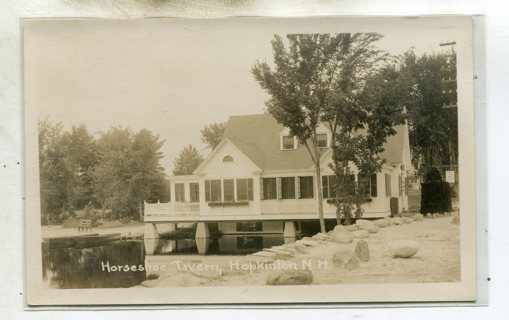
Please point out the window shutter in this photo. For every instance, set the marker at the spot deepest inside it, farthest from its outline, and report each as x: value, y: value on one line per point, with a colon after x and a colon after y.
x: 261, y: 189
x: 278, y: 185
x: 297, y: 186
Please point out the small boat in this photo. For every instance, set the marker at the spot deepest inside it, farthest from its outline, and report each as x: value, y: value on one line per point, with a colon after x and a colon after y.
x: 93, y: 240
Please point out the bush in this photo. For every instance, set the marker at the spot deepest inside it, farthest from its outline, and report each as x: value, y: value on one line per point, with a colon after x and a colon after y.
x: 435, y: 194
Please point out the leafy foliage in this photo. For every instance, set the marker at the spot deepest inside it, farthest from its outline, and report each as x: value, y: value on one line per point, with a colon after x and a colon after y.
x: 188, y: 160
x: 114, y: 172
x: 433, y: 129
x: 212, y: 134
x: 320, y: 77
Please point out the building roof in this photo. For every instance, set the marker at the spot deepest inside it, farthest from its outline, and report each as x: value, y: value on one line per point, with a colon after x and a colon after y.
x: 257, y: 136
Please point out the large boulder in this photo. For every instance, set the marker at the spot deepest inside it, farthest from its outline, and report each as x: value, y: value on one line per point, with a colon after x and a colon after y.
x: 407, y: 220
x: 418, y: 217
x: 381, y: 223
x: 404, y: 248
x: 342, y: 237
x: 389, y: 220
x: 306, y: 242
x: 321, y: 237
x: 351, y: 227
x: 362, y: 250
x: 289, y: 277
x: 353, y: 263
x: 339, y: 228
x: 362, y: 223
x: 300, y: 248
x: 371, y: 229
x: 360, y: 234
x: 397, y: 221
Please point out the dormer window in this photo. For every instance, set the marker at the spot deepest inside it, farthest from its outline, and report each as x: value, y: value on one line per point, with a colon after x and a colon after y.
x: 288, y: 143
x: 228, y: 159
x: 321, y: 140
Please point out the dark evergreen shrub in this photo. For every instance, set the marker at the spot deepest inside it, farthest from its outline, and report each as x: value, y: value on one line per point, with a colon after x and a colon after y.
x: 435, y: 194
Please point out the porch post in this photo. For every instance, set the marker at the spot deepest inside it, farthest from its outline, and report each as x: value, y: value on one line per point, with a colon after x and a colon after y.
x: 151, y: 231
x: 289, y: 232
x: 202, y: 231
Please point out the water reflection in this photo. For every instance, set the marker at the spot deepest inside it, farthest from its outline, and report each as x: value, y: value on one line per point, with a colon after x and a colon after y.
x: 88, y: 267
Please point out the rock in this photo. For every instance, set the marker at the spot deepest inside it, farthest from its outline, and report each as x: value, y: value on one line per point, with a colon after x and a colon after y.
x: 342, y: 237
x: 389, y: 220
x: 371, y: 229
x: 351, y: 227
x: 353, y: 263
x: 456, y: 220
x: 266, y: 254
x: 321, y: 237
x: 309, y: 243
x: 183, y: 280
x: 441, y: 215
x: 397, y: 221
x: 381, y: 223
x: 407, y: 220
x: 289, y: 277
x: 363, y: 223
x: 404, y: 248
x: 150, y: 283
x: 339, y: 229
x: 418, y: 217
x: 300, y: 248
x: 341, y: 257
x: 278, y: 252
x: 362, y: 250
x: 360, y: 234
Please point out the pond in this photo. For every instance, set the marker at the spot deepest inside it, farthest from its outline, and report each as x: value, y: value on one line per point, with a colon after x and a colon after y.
x: 66, y: 268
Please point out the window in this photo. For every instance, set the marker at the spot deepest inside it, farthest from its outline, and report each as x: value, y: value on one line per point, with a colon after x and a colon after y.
x: 329, y: 187
x: 228, y: 187
x: 269, y: 188
x: 213, y: 190
x: 249, y: 226
x: 369, y: 184
x: 227, y: 159
x: 306, y: 187
x: 244, y: 189
x: 194, y: 192
x: 288, y: 143
x: 321, y: 140
x: 288, y: 188
x: 388, y: 185
x: 180, y: 195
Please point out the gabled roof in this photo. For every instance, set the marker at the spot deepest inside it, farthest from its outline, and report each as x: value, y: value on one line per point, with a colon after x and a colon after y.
x: 257, y: 136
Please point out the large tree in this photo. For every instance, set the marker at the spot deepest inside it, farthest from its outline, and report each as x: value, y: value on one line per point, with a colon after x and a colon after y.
x: 314, y: 77
x: 363, y: 129
x: 188, y: 160
x: 433, y: 118
x: 212, y: 134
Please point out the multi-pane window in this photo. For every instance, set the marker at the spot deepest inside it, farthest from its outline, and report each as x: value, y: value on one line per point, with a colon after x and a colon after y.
x: 288, y: 188
x: 321, y: 140
x: 369, y: 183
x: 213, y: 190
x: 269, y: 188
x: 194, y: 192
x: 306, y: 187
x: 244, y: 189
x: 229, y: 193
x: 329, y: 187
x: 288, y: 143
x: 180, y: 195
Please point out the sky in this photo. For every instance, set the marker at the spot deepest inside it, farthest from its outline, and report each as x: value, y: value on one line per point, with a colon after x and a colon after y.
x: 174, y: 76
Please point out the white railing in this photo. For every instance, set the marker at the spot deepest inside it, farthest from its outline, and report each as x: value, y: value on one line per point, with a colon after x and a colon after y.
x: 171, y: 209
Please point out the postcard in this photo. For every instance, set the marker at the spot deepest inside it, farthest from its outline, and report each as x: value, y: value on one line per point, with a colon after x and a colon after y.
x: 249, y: 160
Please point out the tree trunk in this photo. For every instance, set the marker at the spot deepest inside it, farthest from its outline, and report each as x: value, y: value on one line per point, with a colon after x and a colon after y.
x: 320, y: 195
